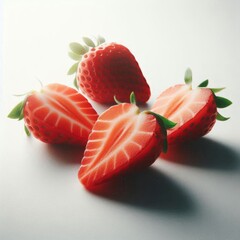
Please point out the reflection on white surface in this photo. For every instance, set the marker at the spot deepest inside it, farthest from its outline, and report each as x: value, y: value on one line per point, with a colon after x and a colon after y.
x: 192, y: 193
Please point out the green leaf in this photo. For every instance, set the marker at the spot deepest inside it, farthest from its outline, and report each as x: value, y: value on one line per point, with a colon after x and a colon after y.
x: 221, y: 117
x: 222, y: 102
x: 16, y: 112
x: 86, y: 48
x: 133, y: 98
x: 77, y: 48
x: 216, y: 90
x: 100, y: 40
x: 203, y: 84
x: 21, y: 115
x: 165, y: 124
x: 73, y: 69
x: 74, y: 56
x: 75, y: 83
x: 188, y: 76
x: 27, y: 131
x: 88, y: 42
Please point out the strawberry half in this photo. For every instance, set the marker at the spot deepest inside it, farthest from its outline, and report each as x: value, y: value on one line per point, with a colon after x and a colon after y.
x: 122, y: 139
x: 194, y: 110
x: 56, y: 114
x: 104, y: 70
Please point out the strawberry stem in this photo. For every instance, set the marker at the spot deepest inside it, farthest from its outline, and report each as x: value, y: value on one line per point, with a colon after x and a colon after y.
x: 188, y: 76
x: 133, y: 98
x: 116, y: 100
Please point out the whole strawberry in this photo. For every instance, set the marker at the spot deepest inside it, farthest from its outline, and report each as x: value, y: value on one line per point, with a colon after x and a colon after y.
x: 104, y: 70
x: 194, y: 110
x: 56, y: 114
x: 123, y: 139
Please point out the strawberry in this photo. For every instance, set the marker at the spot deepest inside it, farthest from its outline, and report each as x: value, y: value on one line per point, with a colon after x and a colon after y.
x: 194, y: 110
x: 56, y: 114
x: 104, y: 70
x: 122, y: 139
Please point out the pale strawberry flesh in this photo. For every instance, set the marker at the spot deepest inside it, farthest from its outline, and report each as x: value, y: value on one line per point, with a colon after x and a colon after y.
x: 59, y: 114
x: 194, y: 111
x: 121, y: 138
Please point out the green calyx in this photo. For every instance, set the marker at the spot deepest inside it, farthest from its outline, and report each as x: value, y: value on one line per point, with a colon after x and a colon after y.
x: 77, y: 50
x: 132, y: 99
x: 17, y: 113
x: 221, y: 102
x: 165, y: 124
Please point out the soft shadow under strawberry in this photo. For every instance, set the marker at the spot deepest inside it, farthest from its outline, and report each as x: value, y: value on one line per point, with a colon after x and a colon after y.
x: 150, y: 190
x: 204, y: 153
x: 66, y: 154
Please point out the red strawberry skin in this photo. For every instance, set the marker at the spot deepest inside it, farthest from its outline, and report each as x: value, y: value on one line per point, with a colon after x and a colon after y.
x: 111, y: 70
x: 59, y: 114
x: 122, y: 140
x: 195, y: 117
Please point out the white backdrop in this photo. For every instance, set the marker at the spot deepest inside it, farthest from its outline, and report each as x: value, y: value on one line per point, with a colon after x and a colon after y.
x: 193, y: 195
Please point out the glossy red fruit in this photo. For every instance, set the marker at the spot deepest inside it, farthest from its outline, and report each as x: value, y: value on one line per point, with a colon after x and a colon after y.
x: 107, y: 70
x: 57, y: 114
x: 194, y: 110
x: 123, y: 139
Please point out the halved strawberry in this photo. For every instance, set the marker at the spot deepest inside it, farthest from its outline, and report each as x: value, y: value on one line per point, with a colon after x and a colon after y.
x: 104, y: 70
x: 194, y: 110
x: 56, y: 114
x: 122, y: 139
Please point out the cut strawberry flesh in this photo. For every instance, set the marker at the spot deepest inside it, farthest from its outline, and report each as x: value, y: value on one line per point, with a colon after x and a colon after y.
x: 59, y: 114
x: 187, y: 107
x: 180, y: 103
x: 118, y: 139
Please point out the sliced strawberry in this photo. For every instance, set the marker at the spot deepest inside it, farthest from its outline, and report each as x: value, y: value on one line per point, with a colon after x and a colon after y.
x: 122, y: 139
x: 104, y: 70
x: 194, y: 110
x: 57, y: 114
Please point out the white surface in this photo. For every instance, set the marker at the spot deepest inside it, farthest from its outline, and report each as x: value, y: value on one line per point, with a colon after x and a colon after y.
x: 196, y: 196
